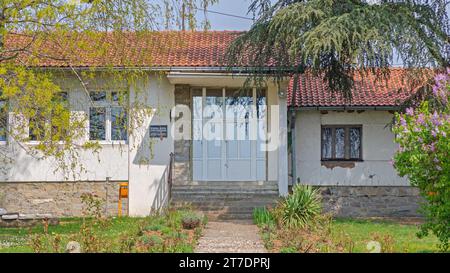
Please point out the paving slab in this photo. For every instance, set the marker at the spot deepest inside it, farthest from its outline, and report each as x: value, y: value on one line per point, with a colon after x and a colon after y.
x: 230, y: 237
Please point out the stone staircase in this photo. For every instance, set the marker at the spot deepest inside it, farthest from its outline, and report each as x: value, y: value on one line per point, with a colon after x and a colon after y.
x: 225, y: 200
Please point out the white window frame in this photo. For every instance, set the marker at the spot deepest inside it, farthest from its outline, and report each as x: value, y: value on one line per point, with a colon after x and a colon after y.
x: 108, y: 104
x: 36, y: 142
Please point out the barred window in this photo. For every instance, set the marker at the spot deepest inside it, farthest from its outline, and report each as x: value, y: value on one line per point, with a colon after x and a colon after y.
x: 342, y: 142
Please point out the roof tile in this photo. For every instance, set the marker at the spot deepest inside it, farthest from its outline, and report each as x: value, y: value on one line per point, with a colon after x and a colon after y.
x: 368, y: 90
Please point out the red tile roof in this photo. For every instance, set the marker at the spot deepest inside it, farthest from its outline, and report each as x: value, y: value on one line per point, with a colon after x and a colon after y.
x: 195, y: 49
x: 155, y: 49
x: 368, y: 90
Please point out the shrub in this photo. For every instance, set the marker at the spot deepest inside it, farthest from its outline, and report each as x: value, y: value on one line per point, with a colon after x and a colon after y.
x: 151, y: 240
x: 262, y: 216
x: 153, y: 227
x: 423, y: 136
x: 300, y: 208
x: 191, y: 220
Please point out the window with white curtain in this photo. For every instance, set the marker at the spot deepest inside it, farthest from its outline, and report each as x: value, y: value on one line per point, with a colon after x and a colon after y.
x: 341, y: 142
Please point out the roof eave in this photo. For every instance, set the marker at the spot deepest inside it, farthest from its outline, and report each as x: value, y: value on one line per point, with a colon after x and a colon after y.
x: 340, y: 108
x: 224, y: 69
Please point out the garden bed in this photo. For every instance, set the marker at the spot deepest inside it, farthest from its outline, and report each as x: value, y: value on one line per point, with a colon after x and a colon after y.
x: 297, y: 224
x: 162, y: 233
x: 350, y: 236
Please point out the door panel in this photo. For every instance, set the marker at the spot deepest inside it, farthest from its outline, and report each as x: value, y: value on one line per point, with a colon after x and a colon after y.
x: 239, y: 170
x: 223, y: 148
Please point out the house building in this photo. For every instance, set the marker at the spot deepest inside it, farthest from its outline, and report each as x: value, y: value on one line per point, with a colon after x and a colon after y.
x: 234, y: 148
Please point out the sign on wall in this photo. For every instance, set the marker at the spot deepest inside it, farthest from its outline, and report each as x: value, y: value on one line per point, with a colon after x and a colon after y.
x: 158, y: 131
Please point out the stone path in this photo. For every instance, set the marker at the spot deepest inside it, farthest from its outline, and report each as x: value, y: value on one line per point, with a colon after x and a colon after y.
x: 230, y: 237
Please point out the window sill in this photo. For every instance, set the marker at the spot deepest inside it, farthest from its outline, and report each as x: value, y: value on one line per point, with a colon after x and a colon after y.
x: 2, y: 143
x: 106, y: 142
x: 346, y: 164
x: 341, y: 160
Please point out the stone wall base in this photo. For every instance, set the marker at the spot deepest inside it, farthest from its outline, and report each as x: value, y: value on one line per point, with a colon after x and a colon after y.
x: 61, y: 199
x: 368, y: 201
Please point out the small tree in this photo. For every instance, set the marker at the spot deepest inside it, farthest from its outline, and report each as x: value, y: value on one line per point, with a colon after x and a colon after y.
x: 32, y: 32
x: 424, y: 156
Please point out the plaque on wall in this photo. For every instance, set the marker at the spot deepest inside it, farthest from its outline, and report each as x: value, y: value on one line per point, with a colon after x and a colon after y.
x: 158, y: 131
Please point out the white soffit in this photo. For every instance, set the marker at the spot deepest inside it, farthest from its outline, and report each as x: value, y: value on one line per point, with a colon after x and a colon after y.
x: 207, y: 79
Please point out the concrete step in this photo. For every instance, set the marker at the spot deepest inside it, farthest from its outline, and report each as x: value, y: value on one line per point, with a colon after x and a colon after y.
x: 231, y: 183
x: 222, y: 196
x: 237, y: 208
x: 226, y: 200
x: 224, y: 190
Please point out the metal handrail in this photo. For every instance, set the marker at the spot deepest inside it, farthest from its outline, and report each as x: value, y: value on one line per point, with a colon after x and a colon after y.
x: 170, y: 177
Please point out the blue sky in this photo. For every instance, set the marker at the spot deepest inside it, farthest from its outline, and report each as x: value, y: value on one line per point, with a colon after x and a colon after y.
x: 235, y: 7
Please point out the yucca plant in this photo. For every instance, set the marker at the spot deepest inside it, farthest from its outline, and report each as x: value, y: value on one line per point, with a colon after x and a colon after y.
x: 300, y: 208
x: 262, y: 216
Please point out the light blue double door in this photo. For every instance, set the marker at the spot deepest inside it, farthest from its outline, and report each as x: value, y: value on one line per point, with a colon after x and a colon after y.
x: 229, y: 129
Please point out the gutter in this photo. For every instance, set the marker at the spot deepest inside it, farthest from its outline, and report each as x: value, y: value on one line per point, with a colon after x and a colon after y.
x: 337, y: 108
x: 222, y: 69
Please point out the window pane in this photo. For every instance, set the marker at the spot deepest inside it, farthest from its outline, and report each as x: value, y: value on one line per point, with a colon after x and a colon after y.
x: 3, y: 122
x: 115, y: 97
x: 326, y: 143
x: 119, y: 97
x: 36, y: 127
x: 213, y: 104
x: 98, y: 96
x: 97, y: 125
x: 62, y: 97
x: 355, y: 142
x: 340, y: 143
x: 118, y: 124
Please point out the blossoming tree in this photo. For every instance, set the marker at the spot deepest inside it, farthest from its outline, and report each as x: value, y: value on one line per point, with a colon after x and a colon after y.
x: 424, y: 156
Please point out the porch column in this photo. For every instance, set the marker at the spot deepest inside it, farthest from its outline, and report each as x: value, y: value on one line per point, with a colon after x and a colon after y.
x: 282, y: 149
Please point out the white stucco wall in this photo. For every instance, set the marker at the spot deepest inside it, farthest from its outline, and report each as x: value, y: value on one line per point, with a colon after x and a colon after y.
x: 377, y: 145
x: 149, y: 157
x: 272, y: 155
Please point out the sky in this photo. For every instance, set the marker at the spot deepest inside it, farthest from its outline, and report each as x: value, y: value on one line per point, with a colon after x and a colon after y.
x: 235, y: 7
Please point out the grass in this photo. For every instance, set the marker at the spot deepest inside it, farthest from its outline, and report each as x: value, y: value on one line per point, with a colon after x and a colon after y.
x: 350, y: 235
x: 404, y: 238
x: 151, y: 234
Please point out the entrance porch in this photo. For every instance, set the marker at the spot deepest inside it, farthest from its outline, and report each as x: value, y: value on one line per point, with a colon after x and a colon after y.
x: 231, y: 155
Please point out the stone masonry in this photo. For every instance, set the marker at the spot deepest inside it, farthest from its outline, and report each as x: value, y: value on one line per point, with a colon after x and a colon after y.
x: 386, y: 201
x: 61, y: 199
x: 182, y: 168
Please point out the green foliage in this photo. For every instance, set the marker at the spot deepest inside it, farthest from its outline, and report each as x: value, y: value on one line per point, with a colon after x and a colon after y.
x: 333, y: 38
x: 262, y: 217
x: 191, y: 222
x: 423, y: 135
x: 152, y: 240
x: 152, y: 234
x: 300, y: 208
x: 35, y: 96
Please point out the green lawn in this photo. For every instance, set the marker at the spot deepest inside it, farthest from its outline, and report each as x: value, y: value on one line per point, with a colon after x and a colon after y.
x: 348, y: 235
x: 124, y: 234
x: 403, y: 236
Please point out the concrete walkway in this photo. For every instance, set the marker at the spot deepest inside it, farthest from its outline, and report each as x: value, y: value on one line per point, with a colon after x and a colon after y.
x: 230, y: 237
